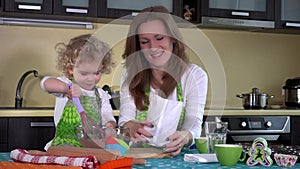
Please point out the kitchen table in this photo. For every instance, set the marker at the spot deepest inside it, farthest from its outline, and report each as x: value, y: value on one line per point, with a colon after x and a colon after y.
x: 177, y: 162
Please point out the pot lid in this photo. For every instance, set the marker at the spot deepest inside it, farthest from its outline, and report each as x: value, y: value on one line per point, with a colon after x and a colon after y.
x: 255, y: 91
x: 292, y: 83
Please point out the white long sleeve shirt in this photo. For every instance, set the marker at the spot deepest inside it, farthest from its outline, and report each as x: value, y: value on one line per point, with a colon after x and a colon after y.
x: 194, y: 89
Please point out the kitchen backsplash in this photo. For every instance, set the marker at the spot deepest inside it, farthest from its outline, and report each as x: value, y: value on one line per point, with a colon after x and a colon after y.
x: 249, y: 59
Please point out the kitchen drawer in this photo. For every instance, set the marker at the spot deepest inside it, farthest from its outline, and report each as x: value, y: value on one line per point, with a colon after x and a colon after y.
x: 30, y: 132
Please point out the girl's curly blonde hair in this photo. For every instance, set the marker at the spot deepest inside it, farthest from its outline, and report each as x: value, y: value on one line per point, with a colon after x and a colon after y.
x: 82, y: 48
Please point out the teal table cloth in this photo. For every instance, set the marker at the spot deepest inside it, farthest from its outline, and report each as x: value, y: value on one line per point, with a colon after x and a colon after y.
x: 5, y: 157
x: 178, y: 163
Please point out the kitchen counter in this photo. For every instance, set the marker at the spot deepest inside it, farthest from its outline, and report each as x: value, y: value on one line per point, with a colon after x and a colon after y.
x: 214, y: 112
x: 25, y: 113
x: 31, y: 112
x: 243, y: 112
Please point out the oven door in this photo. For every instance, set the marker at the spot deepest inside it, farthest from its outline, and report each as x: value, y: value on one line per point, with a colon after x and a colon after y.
x: 246, y: 129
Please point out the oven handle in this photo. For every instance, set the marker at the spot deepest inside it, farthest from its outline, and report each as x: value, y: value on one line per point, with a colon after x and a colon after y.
x: 41, y: 124
x: 256, y: 131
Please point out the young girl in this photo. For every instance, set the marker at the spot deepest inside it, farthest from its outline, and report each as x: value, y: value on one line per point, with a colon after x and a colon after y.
x: 82, y: 61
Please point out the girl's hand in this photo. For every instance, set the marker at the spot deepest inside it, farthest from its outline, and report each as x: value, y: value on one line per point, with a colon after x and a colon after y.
x: 110, y: 129
x: 111, y: 124
x: 74, y: 91
x: 136, y: 130
x: 177, y: 141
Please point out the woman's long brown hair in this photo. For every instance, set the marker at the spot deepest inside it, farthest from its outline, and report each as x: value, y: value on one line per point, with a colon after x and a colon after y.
x: 138, y: 68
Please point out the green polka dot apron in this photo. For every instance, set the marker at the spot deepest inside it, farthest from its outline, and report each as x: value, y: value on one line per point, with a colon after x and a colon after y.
x: 166, y: 115
x: 70, y: 118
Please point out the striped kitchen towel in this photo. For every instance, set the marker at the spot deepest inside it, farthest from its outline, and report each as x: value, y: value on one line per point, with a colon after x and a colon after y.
x: 86, y: 162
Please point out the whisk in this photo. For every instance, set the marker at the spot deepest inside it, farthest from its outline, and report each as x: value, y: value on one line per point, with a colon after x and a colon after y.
x: 88, y: 125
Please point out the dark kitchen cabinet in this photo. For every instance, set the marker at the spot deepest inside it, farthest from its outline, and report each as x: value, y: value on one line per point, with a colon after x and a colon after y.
x: 1, y: 5
x: 254, y: 9
x: 287, y: 14
x: 86, y: 8
x: 259, y: 13
x: 117, y: 8
x: 295, y: 135
x: 3, y: 134
x: 29, y: 6
x: 29, y: 132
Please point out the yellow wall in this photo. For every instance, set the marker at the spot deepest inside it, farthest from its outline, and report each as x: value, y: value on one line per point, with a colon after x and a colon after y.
x: 253, y: 59
x: 250, y: 59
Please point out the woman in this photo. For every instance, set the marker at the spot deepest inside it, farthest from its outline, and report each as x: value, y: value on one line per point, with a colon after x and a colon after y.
x: 158, y: 70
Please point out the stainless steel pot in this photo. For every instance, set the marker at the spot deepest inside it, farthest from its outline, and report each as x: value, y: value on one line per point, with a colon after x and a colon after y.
x: 255, y: 100
x: 115, y: 99
x: 291, y: 92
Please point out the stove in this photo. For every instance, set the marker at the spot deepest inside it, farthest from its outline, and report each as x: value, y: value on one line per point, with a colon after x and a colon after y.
x: 246, y: 129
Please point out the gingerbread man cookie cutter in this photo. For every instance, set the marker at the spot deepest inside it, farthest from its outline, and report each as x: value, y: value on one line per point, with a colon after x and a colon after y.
x: 259, y: 153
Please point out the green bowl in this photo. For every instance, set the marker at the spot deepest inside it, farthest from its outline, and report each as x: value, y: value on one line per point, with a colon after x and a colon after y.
x: 228, y: 154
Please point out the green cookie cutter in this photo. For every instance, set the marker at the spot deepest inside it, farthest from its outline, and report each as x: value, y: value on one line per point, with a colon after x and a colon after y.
x: 259, y: 153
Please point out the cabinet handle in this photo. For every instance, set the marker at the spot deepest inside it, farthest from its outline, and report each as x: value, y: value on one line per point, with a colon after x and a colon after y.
x: 240, y: 13
x: 41, y: 124
x: 134, y: 13
x: 289, y: 24
x: 74, y: 10
x: 31, y: 7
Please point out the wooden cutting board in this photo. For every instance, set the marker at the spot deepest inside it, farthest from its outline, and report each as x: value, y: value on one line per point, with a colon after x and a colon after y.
x: 146, y: 153
x: 134, y: 152
x: 102, y: 155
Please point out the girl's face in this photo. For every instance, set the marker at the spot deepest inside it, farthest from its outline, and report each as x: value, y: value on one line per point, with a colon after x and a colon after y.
x: 155, y: 44
x: 87, y: 74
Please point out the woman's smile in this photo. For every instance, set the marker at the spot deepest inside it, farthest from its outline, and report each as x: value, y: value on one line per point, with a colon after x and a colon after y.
x: 157, y: 54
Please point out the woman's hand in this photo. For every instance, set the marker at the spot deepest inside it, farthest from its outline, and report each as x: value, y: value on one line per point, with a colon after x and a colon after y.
x: 136, y: 130
x: 177, y: 141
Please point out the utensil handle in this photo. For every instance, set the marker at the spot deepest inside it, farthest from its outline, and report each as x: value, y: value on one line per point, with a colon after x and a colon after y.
x: 76, y: 101
x: 78, y: 105
x: 240, y: 96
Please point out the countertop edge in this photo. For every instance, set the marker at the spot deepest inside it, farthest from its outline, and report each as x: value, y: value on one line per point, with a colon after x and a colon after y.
x: 26, y: 113
x: 33, y: 113
x: 239, y: 112
x: 275, y: 112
